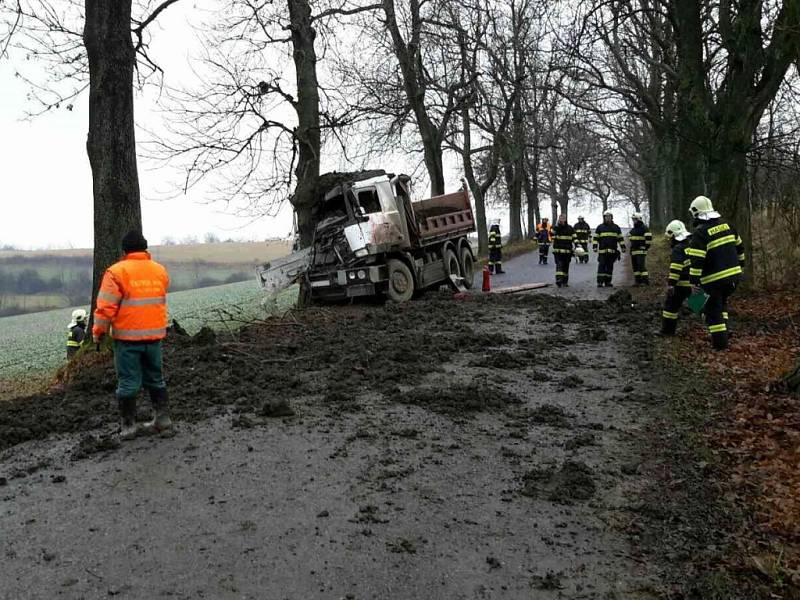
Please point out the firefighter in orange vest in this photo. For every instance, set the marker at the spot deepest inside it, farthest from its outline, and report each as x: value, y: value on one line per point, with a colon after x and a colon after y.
x: 132, y: 308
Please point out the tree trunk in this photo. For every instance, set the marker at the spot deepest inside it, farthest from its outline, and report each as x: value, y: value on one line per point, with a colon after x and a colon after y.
x: 408, y: 58
x: 532, y: 194
x: 111, y: 142
x: 514, y: 186
x: 307, y: 133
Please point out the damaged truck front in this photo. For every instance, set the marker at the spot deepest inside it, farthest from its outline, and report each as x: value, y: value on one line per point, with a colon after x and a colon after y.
x: 370, y: 239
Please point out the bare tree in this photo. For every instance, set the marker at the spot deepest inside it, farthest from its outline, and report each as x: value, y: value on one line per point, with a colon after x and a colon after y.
x: 104, y: 57
x: 263, y: 132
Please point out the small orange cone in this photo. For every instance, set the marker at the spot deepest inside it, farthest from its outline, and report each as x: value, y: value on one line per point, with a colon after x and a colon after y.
x: 487, y: 279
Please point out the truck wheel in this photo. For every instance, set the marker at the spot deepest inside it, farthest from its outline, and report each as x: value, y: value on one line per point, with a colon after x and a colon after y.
x: 467, y: 268
x: 401, y: 282
x: 451, y: 266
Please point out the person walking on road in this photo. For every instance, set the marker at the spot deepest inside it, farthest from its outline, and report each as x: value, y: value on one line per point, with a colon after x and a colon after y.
x: 583, y: 232
x: 564, y: 240
x: 679, y: 287
x: 132, y: 308
x: 607, y: 238
x: 495, y: 249
x: 544, y: 235
x: 76, y: 331
x: 640, y: 241
x: 717, y: 255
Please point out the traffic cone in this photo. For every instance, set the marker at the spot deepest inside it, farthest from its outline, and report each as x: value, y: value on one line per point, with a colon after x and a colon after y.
x: 487, y: 279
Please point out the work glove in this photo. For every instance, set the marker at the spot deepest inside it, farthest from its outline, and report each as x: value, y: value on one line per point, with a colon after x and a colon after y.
x: 670, y: 291
x: 696, y: 289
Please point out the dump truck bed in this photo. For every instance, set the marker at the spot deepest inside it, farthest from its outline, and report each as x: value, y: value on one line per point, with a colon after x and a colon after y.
x: 445, y: 215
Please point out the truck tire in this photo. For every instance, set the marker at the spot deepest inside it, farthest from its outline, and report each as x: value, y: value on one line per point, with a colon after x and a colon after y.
x: 451, y: 266
x: 467, y: 268
x: 401, y: 281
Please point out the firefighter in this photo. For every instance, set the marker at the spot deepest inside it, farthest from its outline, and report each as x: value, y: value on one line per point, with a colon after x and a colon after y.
x: 495, y: 249
x: 76, y: 331
x: 607, y: 237
x: 583, y: 232
x: 564, y: 240
x: 544, y: 235
x: 640, y: 241
x: 717, y: 255
x: 678, y: 286
x: 132, y: 307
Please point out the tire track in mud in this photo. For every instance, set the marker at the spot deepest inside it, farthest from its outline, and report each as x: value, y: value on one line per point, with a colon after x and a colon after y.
x: 477, y: 449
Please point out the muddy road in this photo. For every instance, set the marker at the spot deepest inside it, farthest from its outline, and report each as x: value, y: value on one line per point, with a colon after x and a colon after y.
x: 483, y: 448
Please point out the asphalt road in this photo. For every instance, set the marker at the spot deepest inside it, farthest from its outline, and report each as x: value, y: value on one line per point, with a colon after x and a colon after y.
x: 582, y: 277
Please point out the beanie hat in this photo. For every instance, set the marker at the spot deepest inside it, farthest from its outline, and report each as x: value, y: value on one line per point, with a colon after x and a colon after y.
x: 133, y: 242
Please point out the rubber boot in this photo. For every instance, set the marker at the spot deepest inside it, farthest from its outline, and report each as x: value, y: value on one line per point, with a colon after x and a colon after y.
x: 719, y: 340
x: 491, y: 269
x: 499, y: 269
x: 127, y: 413
x: 668, y: 327
x: 161, y: 420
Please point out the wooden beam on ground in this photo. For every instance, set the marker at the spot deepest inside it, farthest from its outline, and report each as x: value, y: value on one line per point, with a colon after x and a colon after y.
x: 519, y: 288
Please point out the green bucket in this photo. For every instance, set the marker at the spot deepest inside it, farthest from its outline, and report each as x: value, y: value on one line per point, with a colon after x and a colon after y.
x: 697, y: 302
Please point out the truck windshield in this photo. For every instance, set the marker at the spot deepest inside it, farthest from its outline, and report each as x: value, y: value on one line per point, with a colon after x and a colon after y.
x: 369, y: 201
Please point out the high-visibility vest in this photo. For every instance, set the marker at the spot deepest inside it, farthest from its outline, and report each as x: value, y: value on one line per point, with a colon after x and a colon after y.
x: 132, y: 301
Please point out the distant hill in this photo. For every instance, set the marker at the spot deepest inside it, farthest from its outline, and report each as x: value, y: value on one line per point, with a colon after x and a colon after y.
x: 32, y: 281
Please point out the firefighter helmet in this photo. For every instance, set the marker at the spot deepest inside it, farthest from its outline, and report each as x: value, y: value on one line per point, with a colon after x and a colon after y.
x: 677, y: 230
x: 637, y: 216
x: 608, y: 213
x: 702, y: 208
x: 78, y: 316
x: 580, y: 252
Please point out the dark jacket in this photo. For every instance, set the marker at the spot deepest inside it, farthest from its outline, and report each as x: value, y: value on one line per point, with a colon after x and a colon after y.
x: 495, y: 239
x: 75, y: 336
x: 582, y: 231
x: 640, y: 238
x: 717, y: 253
x: 563, y: 239
x: 679, y: 264
x: 607, y: 237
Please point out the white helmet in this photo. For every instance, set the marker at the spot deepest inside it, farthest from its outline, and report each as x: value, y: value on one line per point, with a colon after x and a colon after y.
x: 637, y: 216
x: 608, y: 213
x: 677, y: 230
x: 702, y: 208
x: 580, y: 217
x: 580, y: 252
x: 78, y: 316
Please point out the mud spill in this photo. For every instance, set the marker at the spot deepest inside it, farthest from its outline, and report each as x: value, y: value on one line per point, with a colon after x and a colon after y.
x: 573, y: 482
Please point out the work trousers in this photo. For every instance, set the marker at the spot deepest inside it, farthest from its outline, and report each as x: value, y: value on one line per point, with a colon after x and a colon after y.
x: 676, y: 296
x: 716, y: 310
x: 495, y: 260
x: 605, y: 266
x: 138, y: 364
x: 585, y: 257
x: 639, y: 263
x: 544, y: 250
x: 563, y: 260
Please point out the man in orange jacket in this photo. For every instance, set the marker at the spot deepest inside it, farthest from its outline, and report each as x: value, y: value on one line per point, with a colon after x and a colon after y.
x: 132, y: 306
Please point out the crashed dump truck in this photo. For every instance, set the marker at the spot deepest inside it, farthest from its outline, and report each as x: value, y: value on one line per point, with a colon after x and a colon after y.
x: 371, y: 239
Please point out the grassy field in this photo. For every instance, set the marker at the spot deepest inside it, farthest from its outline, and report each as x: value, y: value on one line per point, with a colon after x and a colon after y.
x: 35, y: 343
x: 225, y: 253
x: 65, y: 274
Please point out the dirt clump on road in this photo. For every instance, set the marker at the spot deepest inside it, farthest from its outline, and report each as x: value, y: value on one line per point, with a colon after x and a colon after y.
x: 573, y: 482
x: 460, y: 399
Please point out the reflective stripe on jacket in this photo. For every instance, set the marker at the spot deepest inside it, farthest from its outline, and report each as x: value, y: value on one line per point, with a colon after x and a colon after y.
x: 606, y: 238
x: 640, y: 238
x: 679, y: 265
x: 582, y: 231
x: 563, y: 239
x: 495, y: 239
x: 132, y: 301
x: 716, y: 251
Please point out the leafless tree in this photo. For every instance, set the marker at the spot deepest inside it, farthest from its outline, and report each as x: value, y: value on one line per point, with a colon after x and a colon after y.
x: 99, y: 45
x: 258, y: 122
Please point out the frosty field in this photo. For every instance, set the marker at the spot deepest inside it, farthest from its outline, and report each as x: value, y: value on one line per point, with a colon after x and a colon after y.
x: 34, y: 343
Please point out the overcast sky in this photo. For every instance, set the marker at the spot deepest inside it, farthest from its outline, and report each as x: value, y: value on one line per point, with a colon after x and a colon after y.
x: 45, y: 179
